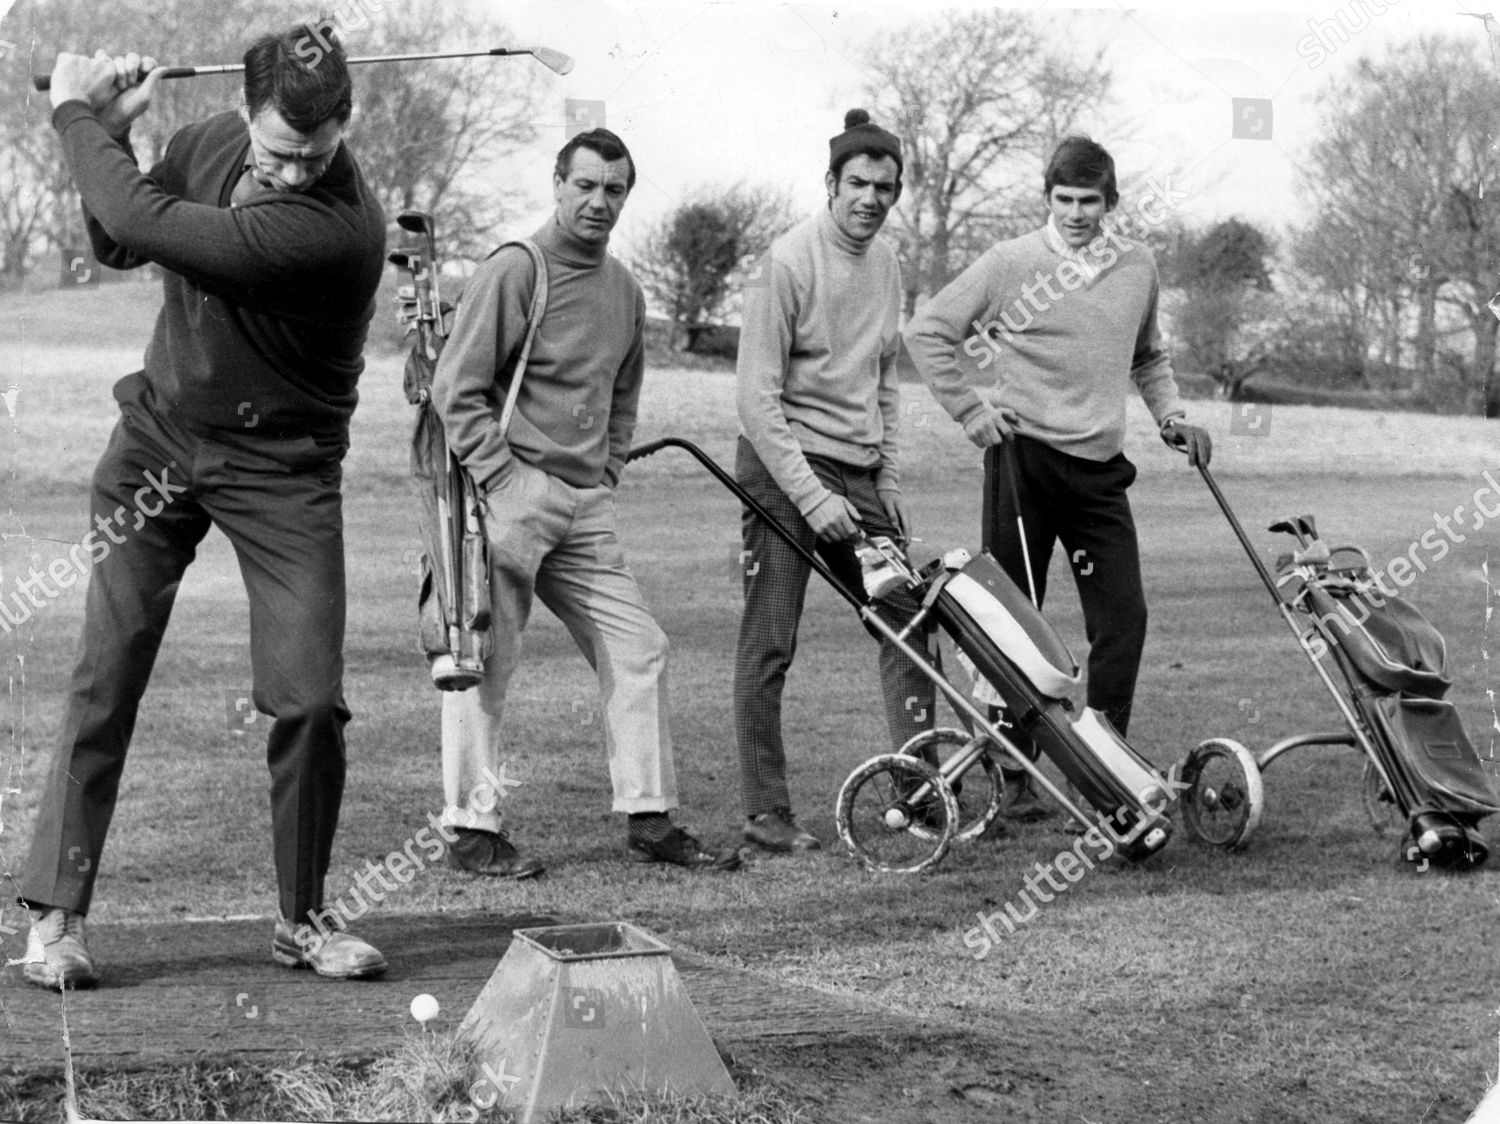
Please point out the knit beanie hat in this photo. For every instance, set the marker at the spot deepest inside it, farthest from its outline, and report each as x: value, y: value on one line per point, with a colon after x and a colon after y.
x: 862, y: 135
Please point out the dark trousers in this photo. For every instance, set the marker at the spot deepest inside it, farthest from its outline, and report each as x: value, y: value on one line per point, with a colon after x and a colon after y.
x: 278, y: 502
x: 775, y: 582
x: 1081, y: 504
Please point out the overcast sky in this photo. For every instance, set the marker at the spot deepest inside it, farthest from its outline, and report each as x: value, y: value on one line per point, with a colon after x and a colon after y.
x: 753, y: 89
x: 714, y: 91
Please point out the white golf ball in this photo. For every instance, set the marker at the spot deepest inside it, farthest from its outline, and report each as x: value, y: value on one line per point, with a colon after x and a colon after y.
x: 424, y: 1007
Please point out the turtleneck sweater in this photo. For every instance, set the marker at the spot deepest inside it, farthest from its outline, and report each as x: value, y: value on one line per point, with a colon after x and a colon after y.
x: 817, y: 358
x: 575, y: 413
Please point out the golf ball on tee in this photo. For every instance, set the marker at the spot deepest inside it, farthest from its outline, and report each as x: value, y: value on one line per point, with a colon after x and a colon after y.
x: 424, y: 1007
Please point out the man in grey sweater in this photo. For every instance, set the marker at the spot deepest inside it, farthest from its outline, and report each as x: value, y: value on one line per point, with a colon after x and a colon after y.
x: 818, y: 406
x: 550, y: 508
x: 1067, y: 314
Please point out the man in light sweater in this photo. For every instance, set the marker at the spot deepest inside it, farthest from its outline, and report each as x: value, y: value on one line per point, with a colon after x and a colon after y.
x: 818, y: 404
x: 550, y: 508
x: 1067, y: 315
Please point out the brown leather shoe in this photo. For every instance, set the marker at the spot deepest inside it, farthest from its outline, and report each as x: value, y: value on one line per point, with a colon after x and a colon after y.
x: 780, y: 831
x: 490, y: 853
x: 57, y: 955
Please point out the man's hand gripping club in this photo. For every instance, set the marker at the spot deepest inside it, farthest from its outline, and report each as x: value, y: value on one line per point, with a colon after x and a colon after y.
x: 117, y: 89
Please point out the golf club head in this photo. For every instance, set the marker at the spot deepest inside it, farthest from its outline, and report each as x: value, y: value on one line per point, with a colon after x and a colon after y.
x: 1289, y: 526
x: 402, y: 259
x: 555, y: 61
x: 418, y: 222
x: 1309, y: 526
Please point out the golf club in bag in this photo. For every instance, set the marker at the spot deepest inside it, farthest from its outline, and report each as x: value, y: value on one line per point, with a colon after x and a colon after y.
x: 453, y: 599
x: 900, y: 812
x: 1389, y: 673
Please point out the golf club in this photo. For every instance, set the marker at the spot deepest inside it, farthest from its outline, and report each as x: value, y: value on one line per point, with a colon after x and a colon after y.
x: 1013, y: 470
x: 420, y: 222
x: 555, y: 61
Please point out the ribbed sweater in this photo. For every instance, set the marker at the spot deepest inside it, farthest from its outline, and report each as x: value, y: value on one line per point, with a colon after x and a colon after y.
x: 575, y: 413
x: 266, y: 306
x: 817, y: 358
x: 1061, y: 352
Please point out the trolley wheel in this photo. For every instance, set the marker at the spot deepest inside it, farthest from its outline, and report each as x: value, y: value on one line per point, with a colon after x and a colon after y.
x: 1380, y: 804
x: 1223, y: 801
x: 876, y: 814
x: 980, y: 792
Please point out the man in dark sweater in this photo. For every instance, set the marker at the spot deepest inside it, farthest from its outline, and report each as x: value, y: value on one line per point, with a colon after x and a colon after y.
x: 271, y: 247
x: 549, y: 486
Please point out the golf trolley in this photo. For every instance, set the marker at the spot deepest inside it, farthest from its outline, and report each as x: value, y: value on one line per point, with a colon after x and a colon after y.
x: 1421, y: 774
x: 900, y: 812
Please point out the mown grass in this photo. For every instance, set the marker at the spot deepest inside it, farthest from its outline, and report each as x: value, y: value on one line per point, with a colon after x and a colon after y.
x: 1311, y: 977
x: 427, y: 1080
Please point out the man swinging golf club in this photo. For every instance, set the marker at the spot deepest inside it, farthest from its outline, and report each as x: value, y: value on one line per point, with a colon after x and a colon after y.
x: 271, y: 247
x: 1064, y: 364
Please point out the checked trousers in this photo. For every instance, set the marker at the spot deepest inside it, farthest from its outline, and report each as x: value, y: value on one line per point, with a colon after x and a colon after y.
x: 775, y: 584
x: 278, y: 502
x: 1081, y: 504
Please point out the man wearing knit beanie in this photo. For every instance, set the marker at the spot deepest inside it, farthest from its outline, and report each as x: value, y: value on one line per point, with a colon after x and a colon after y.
x: 818, y: 404
x: 1063, y: 367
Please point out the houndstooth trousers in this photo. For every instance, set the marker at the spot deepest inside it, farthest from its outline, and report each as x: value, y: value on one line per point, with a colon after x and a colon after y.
x: 775, y: 584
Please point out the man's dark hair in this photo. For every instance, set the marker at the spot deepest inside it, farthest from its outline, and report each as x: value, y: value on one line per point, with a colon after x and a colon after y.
x: 604, y: 144
x: 1079, y: 162
x: 300, y: 73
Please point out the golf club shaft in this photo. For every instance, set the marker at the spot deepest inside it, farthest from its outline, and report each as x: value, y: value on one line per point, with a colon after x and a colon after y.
x: 554, y: 60
x: 1013, y: 466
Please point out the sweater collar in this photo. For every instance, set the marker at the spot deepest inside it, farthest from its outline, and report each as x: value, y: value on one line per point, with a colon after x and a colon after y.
x: 568, y: 249
x: 1088, y: 260
x: 831, y: 231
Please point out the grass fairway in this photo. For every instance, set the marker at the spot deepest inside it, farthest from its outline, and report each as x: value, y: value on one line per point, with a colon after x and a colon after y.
x: 1310, y: 978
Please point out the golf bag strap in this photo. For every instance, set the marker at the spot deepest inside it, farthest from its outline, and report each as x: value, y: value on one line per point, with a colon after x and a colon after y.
x: 533, y: 319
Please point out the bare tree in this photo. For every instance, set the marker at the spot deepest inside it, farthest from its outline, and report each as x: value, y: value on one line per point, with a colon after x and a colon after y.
x: 1398, y: 180
x: 427, y: 135
x: 977, y: 98
x: 436, y: 136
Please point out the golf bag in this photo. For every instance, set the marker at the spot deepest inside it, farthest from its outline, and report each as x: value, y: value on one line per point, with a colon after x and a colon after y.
x: 1017, y: 653
x: 1396, y: 665
x: 900, y: 812
x: 453, y: 599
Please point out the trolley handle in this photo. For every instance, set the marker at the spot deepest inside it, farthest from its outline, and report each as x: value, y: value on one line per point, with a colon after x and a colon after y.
x: 653, y: 447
